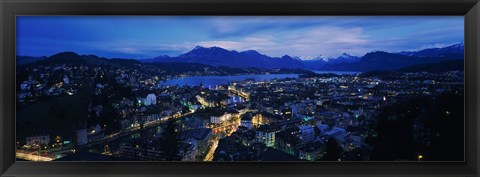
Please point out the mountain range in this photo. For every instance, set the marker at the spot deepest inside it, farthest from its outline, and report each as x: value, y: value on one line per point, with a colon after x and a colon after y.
x: 169, y: 68
x: 216, y: 56
x: 377, y: 60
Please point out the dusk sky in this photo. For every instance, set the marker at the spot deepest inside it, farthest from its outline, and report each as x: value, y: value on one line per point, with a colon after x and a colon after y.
x: 306, y: 37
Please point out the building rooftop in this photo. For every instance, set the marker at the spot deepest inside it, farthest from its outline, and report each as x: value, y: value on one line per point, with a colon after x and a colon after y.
x: 247, y: 116
x: 277, y: 155
x: 265, y: 128
x: 197, y: 134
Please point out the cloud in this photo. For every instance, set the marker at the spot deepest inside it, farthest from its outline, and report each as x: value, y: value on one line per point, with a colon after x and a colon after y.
x: 309, y: 37
x: 225, y: 27
x: 129, y: 50
x: 307, y: 44
x: 223, y: 44
x: 303, y: 36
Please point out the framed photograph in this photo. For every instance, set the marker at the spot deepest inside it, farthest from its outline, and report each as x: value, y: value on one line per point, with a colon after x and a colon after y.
x: 239, y: 88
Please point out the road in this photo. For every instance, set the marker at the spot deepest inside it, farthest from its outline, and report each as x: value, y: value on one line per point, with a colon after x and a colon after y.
x: 32, y: 156
x: 130, y: 130
x: 228, y: 129
x: 58, y: 152
x: 209, y: 156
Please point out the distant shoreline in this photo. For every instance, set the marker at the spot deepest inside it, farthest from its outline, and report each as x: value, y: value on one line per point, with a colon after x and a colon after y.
x: 337, y: 72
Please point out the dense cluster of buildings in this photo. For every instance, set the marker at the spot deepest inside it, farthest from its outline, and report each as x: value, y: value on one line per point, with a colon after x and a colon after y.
x: 299, y: 116
x: 280, y: 119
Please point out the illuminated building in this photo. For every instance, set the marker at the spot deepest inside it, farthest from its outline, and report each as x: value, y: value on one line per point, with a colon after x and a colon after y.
x: 246, y: 120
x: 219, y: 117
x: 202, y: 136
x: 38, y: 140
x: 266, y: 135
x: 312, y: 151
x: 307, y: 133
x: 151, y: 99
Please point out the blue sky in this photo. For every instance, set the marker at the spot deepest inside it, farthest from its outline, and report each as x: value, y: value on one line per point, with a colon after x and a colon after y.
x: 304, y: 36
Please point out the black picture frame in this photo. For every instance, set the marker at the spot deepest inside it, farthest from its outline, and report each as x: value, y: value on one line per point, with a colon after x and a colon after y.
x: 11, y: 8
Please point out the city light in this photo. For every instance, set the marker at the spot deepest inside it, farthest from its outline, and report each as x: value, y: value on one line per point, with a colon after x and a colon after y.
x: 256, y: 104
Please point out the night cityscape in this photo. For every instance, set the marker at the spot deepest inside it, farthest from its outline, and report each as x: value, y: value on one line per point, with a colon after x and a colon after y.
x: 367, y: 89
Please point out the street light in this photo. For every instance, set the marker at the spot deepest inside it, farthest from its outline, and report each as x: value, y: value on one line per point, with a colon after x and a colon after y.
x: 420, y: 157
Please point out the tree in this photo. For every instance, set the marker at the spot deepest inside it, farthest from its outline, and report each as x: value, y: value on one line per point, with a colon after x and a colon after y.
x: 441, y: 122
x: 333, y: 150
x: 446, y: 122
x: 169, y: 143
x: 394, y: 130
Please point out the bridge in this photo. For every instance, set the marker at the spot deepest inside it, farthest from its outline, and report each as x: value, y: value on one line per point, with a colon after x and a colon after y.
x: 240, y: 93
x: 51, y: 153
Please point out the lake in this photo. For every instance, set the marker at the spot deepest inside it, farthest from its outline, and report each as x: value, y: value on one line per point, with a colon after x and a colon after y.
x: 339, y: 72
x: 212, y: 81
